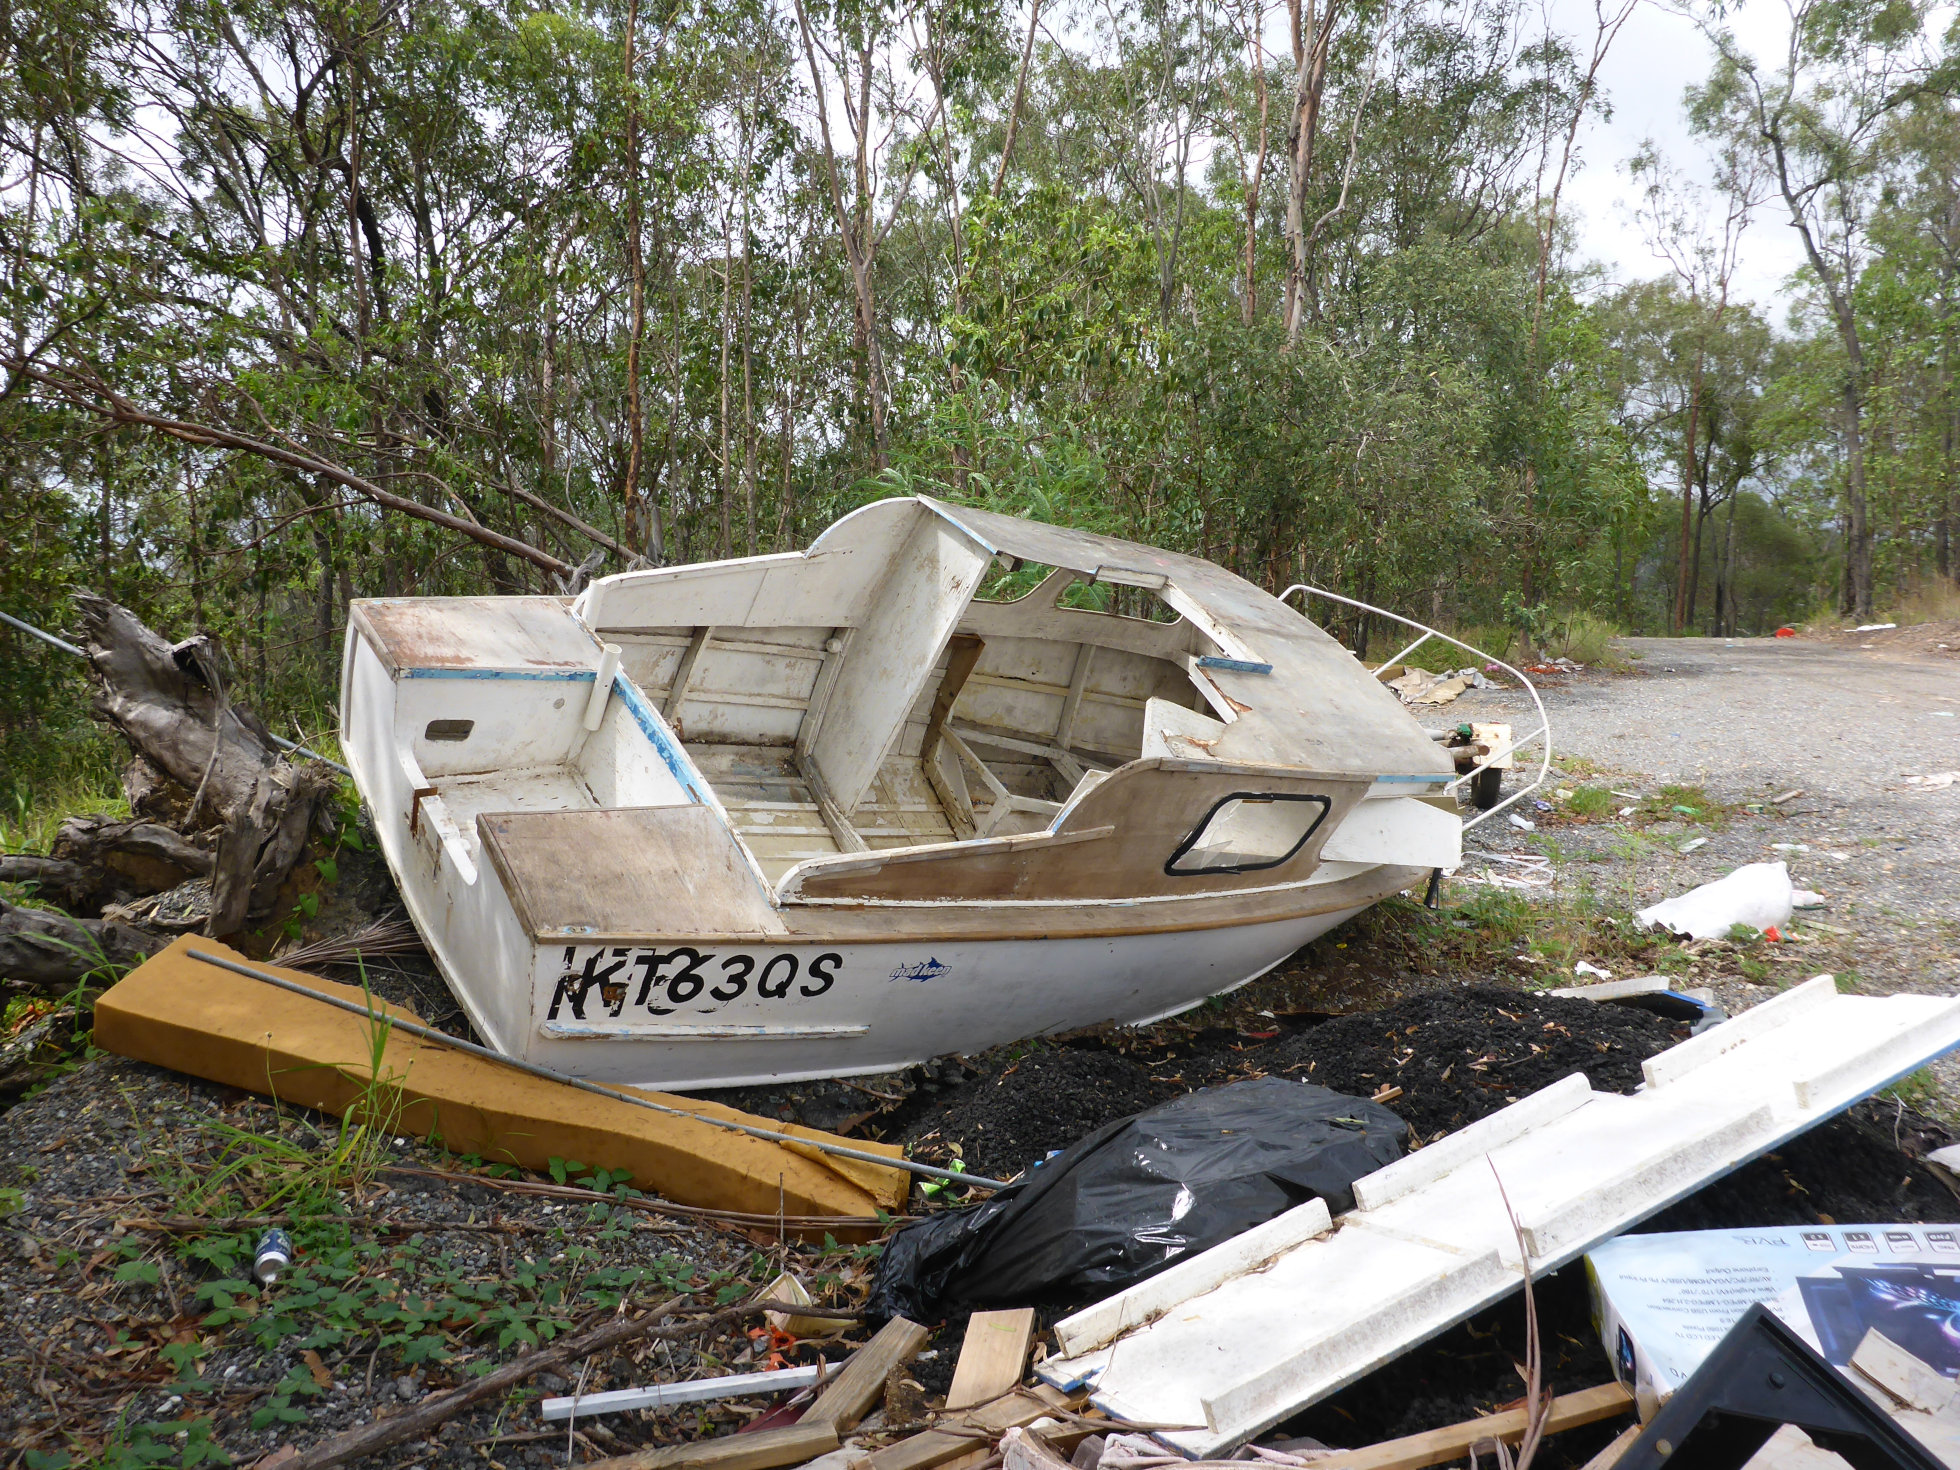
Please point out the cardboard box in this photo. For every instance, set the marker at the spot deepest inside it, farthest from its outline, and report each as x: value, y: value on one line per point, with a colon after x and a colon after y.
x: 1661, y: 1302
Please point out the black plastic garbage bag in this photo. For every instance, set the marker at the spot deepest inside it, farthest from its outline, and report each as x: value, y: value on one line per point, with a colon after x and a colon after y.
x: 1138, y: 1195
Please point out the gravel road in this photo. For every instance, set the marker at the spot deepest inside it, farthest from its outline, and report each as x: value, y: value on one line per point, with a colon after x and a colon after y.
x: 1749, y: 719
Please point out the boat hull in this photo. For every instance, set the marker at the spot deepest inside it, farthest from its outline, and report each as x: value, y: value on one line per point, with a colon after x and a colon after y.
x: 721, y: 1014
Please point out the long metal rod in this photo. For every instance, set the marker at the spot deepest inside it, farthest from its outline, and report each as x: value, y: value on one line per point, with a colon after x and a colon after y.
x: 66, y: 647
x: 443, y: 1038
x: 33, y: 632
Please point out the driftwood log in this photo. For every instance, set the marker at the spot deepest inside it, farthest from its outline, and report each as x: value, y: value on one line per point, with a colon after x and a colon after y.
x: 95, y: 862
x: 46, y: 953
x: 203, y: 760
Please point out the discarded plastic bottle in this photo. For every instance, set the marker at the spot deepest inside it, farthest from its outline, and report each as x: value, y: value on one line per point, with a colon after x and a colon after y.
x: 274, y: 1256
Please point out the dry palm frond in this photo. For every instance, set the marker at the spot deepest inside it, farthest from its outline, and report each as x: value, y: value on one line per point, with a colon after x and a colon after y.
x: 381, y: 937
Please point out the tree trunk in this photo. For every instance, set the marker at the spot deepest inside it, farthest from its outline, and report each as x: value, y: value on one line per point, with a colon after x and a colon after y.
x: 1858, y: 534
x: 643, y: 532
x: 1249, y: 291
x: 1683, y: 577
x: 1312, y: 32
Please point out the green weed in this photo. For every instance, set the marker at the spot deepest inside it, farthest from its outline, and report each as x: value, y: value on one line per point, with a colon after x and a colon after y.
x: 1590, y: 801
x: 1918, y: 1091
x: 1691, y: 804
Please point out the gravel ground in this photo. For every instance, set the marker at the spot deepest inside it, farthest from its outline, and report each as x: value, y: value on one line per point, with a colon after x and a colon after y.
x: 1749, y: 719
x: 121, y: 1265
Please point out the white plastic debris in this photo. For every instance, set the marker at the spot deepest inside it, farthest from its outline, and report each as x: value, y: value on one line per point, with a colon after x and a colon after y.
x: 1803, y: 898
x: 1692, y: 844
x: 1757, y: 894
x: 1873, y: 627
x: 1523, y: 824
x: 1587, y: 967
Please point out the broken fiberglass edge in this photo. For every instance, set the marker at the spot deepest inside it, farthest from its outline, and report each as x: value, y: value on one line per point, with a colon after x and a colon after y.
x: 827, y: 812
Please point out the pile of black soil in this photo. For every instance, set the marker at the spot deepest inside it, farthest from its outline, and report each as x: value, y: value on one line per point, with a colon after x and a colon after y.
x: 1457, y: 1055
x: 1015, y: 1113
x: 1865, y: 1167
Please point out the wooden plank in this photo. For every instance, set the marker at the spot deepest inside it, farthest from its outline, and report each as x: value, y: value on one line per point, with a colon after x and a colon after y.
x: 763, y: 1450
x: 935, y: 1447
x: 848, y: 1397
x: 684, y: 675
x: 962, y: 656
x: 1453, y: 1442
x: 992, y: 1357
x: 841, y: 831
x: 1607, y: 1458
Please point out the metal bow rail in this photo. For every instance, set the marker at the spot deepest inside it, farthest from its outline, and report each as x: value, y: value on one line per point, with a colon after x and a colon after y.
x: 1543, y: 734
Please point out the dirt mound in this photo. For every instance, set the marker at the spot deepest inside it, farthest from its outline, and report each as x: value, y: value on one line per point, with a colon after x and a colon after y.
x: 1456, y: 1055
x: 1460, y: 1055
x: 1015, y: 1110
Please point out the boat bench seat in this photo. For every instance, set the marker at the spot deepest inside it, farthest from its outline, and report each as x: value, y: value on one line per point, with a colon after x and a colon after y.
x: 523, y: 633
x: 586, y: 875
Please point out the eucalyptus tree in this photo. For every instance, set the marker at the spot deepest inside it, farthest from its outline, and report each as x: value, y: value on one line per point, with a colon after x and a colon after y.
x: 1816, y: 121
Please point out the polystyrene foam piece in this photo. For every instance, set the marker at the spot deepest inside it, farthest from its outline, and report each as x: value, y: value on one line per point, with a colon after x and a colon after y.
x: 1697, y: 1051
x: 1110, y: 1318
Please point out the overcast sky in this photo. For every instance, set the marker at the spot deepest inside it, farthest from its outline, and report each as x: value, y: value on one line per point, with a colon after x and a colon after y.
x: 1657, y: 56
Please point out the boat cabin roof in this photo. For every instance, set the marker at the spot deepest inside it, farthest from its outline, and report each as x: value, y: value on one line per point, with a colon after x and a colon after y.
x: 901, y: 576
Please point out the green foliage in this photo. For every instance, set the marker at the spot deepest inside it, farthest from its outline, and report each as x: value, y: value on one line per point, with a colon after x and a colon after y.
x: 1590, y: 801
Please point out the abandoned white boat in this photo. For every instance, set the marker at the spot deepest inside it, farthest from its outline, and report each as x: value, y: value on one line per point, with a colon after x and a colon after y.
x: 828, y: 812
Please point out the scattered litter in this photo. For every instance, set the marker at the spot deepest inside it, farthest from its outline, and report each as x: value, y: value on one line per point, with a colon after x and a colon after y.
x: 1523, y: 824
x: 1691, y: 845
x: 1587, y: 967
x: 1937, y: 782
x: 786, y: 1288
x: 1137, y: 1195
x: 1804, y: 898
x: 1626, y: 811
x: 1563, y: 793
x: 274, y: 1255
x: 1543, y: 806
x: 1526, y: 870
x: 1789, y: 847
x: 1786, y: 632
x: 1419, y: 686
x: 1756, y: 894
x: 1873, y: 627
x: 1790, y: 795
x: 1943, y: 714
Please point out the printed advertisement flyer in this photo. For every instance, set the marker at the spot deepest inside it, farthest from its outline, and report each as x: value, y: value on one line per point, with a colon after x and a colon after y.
x: 1661, y: 1302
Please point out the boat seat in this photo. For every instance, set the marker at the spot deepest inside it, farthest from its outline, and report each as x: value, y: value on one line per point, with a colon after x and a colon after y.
x: 520, y: 633
x: 604, y: 874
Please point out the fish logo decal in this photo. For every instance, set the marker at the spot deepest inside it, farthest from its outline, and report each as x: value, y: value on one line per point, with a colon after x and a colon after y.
x: 928, y: 969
